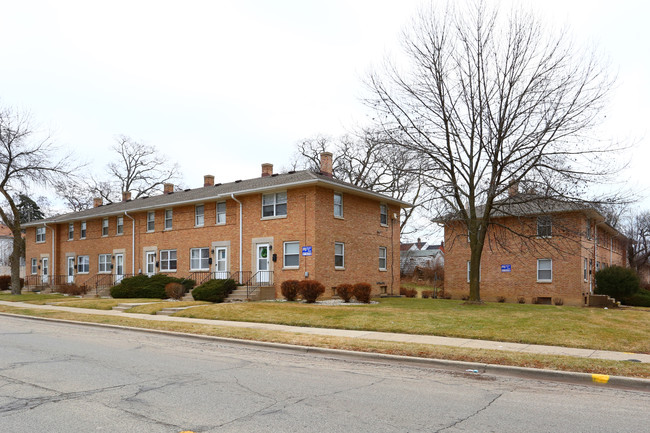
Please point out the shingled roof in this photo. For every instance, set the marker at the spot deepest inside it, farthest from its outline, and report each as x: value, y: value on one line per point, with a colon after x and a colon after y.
x: 292, y: 179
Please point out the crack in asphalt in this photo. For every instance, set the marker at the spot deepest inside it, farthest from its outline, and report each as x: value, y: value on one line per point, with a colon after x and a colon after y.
x: 471, y: 415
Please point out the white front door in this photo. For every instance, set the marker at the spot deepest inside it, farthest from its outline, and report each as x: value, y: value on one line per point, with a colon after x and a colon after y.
x: 46, y: 270
x: 119, y: 267
x: 221, y: 264
x: 151, y: 263
x: 263, y: 263
x: 70, y: 270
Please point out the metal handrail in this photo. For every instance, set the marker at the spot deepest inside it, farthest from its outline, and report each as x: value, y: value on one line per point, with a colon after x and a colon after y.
x: 255, y: 281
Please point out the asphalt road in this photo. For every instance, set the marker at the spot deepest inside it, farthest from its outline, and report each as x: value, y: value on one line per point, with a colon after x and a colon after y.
x: 70, y: 378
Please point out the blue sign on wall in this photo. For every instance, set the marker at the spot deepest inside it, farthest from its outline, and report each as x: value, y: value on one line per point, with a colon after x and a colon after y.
x: 505, y: 268
x: 306, y: 251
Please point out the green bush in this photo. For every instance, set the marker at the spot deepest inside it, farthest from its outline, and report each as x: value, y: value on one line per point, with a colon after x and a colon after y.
x: 617, y: 282
x: 362, y: 292
x: 290, y: 289
x: 214, y: 290
x: 131, y: 287
x: 310, y: 290
x: 639, y: 299
x: 345, y: 292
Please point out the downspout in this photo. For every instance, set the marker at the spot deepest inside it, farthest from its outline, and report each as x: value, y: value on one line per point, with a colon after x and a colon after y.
x: 240, y: 233
x: 52, y: 268
x: 132, y: 242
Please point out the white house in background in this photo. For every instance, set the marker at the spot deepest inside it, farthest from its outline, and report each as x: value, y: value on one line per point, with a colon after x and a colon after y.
x: 428, y: 257
x: 6, y: 248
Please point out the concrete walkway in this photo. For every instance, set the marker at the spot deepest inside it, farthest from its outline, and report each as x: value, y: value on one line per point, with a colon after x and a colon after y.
x: 367, y: 335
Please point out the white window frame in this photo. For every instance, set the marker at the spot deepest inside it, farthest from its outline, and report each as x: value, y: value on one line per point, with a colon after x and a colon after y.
x: 217, y: 261
x: 274, y: 202
x: 199, y: 215
x: 383, y: 256
x: 383, y: 214
x: 83, y: 264
x: 105, y: 227
x: 338, y: 207
x: 104, y: 264
x: 586, y: 269
x: 166, y: 261
x: 544, y: 226
x: 469, y: 262
x: 34, y: 266
x: 40, y: 235
x: 544, y: 280
x: 119, y: 226
x: 71, y: 231
x: 151, y: 221
x: 342, y: 255
x: 221, y: 214
x: 83, y: 230
x: 169, y: 219
x: 291, y: 254
x: 200, y: 259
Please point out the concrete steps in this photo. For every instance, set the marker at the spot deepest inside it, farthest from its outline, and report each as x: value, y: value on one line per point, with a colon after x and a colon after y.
x: 126, y: 306
x: 172, y: 310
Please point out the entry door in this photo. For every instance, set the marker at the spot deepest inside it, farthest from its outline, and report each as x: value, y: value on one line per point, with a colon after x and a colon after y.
x: 70, y: 270
x: 46, y: 270
x: 151, y: 263
x: 221, y: 264
x: 263, y: 263
x: 119, y: 267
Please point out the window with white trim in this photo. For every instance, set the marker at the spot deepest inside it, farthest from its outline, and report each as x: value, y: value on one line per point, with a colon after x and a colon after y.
x: 83, y: 264
x: 169, y: 215
x: 469, y: 263
x: 105, y: 227
x: 338, y: 205
x: 40, y: 234
x: 274, y: 205
x: 104, y: 263
x: 34, y: 266
x: 70, y: 231
x: 199, y: 210
x: 383, y: 214
x: 168, y: 260
x: 291, y: 254
x: 585, y: 271
x: 199, y: 259
x: 151, y: 221
x: 544, y: 270
x: 382, y: 258
x: 544, y: 226
x: 339, y: 255
x: 83, y: 230
x: 120, y: 226
x: 221, y: 212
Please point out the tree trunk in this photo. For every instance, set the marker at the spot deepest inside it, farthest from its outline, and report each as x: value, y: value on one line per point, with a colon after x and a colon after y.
x: 14, y: 261
x: 475, y: 276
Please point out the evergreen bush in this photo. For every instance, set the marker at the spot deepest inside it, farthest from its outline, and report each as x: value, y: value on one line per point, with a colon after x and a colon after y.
x: 617, y: 282
x: 214, y: 290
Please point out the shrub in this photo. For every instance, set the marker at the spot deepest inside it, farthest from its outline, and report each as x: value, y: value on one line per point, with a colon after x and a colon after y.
x: 446, y: 295
x: 521, y: 299
x: 131, y: 287
x: 345, y: 292
x: 617, y: 282
x: 426, y: 294
x: 402, y: 291
x: 639, y: 299
x: 501, y: 299
x: 174, y: 290
x: 214, y: 290
x: 72, y: 289
x: 290, y: 289
x: 409, y: 293
x: 5, y: 282
x: 558, y: 301
x: 465, y: 298
x: 310, y: 290
x: 362, y: 292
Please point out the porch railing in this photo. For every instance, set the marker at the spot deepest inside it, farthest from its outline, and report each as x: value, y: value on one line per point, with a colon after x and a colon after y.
x: 258, y: 279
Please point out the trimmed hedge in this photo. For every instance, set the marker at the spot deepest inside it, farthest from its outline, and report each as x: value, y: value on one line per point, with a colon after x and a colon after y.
x: 290, y: 289
x: 639, y: 299
x: 214, y: 290
x: 142, y: 286
x: 362, y: 292
x: 345, y: 292
x: 310, y: 290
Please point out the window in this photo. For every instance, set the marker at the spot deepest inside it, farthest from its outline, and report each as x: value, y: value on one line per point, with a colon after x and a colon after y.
x: 544, y: 226
x: 70, y: 231
x: 120, y: 225
x: 83, y: 264
x: 83, y: 230
x: 469, y: 262
x: 597, y: 266
x: 105, y: 227
x: 274, y: 204
x: 585, y: 272
x: 383, y: 214
x: 200, y: 259
x: 339, y: 254
x: 168, y: 219
x: 198, y: 215
x: 338, y: 205
x: 588, y: 229
x: 40, y: 234
x: 168, y: 260
x: 221, y: 212
x: 34, y: 266
x: 291, y: 254
x: 104, y: 263
x: 151, y: 221
x: 544, y: 270
x: 382, y: 258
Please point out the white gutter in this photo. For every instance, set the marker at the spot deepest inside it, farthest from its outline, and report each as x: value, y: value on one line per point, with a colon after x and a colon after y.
x: 53, y: 262
x: 241, y: 219
x: 132, y: 242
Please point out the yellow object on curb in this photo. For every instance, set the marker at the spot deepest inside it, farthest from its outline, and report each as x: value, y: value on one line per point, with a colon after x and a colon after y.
x: 600, y: 378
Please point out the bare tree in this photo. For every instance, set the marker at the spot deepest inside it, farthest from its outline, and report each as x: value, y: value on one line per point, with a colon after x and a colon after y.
x: 25, y: 159
x: 489, y: 100
x: 636, y: 227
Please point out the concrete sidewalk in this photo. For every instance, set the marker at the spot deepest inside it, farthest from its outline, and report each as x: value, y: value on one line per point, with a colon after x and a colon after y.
x: 367, y: 335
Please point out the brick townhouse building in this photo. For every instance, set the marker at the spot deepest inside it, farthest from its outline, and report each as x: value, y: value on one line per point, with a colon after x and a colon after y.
x: 260, y: 231
x: 535, y: 248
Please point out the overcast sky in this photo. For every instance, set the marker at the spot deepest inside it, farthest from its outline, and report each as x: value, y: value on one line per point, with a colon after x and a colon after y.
x: 223, y: 86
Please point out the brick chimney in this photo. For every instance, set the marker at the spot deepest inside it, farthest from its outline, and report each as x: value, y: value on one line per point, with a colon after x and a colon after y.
x: 208, y: 180
x: 326, y: 163
x: 126, y: 195
x: 419, y: 244
x: 267, y: 169
x: 168, y: 188
x: 513, y: 189
x: 98, y: 201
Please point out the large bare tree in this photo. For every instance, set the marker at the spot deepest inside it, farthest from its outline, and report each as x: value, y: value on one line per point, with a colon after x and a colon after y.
x: 486, y: 99
x: 25, y: 159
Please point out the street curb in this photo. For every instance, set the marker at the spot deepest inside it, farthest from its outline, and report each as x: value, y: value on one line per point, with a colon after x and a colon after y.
x: 467, y: 368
